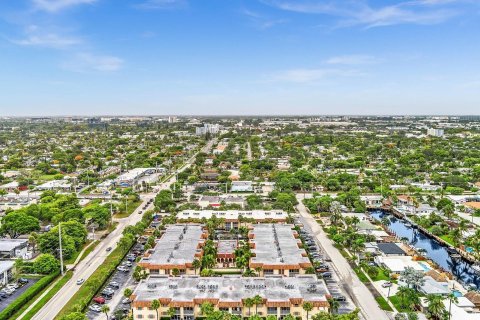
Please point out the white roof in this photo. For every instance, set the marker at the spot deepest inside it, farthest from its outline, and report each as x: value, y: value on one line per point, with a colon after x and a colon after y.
x: 233, y: 214
x: 6, y: 265
x: 399, y: 263
x: 10, y: 244
x: 13, y: 184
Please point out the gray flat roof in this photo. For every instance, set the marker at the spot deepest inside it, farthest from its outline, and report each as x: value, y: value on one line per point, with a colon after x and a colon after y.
x: 177, y: 246
x: 275, y: 244
x: 232, y: 288
x: 10, y: 244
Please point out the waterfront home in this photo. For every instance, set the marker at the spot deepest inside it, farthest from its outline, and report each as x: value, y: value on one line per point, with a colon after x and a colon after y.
x: 397, y: 264
x: 431, y: 286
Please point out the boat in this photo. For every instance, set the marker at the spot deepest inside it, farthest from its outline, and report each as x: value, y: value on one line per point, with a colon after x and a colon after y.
x: 407, y: 224
x: 476, y: 267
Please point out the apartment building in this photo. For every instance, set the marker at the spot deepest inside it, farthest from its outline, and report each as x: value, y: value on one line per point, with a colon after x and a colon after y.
x: 233, y: 218
x: 176, y: 250
x: 277, y: 250
x: 280, y: 295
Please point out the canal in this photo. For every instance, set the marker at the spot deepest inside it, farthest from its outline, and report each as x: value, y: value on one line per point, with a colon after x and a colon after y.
x: 459, y: 267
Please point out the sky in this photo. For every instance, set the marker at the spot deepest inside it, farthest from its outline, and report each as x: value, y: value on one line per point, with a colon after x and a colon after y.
x: 239, y: 57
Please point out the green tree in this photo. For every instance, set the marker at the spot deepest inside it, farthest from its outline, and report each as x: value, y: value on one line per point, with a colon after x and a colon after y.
x: 307, y: 306
x: 17, y: 223
x: 46, y: 264
x: 154, y: 305
x: 248, y: 302
x: 436, y: 308
x: 257, y: 300
x: 196, y: 264
x: 105, y: 309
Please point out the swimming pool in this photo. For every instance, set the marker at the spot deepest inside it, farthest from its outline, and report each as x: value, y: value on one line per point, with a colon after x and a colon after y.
x: 457, y: 293
x: 425, y: 266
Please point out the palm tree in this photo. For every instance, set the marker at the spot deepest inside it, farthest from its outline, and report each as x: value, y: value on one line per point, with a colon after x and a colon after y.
x: 105, y: 309
x: 171, y: 312
x: 451, y: 298
x: 436, y: 308
x: 127, y: 292
x: 249, y: 304
x: 155, y: 304
x: 257, y: 300
x: 175, y: 272
x: 196, y: 264
x: 307, y: 306
x: 334, y: 305
x: 249, y: 273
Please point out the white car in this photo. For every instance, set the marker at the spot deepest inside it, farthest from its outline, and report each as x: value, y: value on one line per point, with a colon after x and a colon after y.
x: 11, y: 286
x: 8, y: 291
x: 95, y: 308
x: 80, y: 281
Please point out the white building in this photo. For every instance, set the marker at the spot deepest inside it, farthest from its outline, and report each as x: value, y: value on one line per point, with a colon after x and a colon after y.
x: 62, y: 185
x: 13, y: 248
x: 435, y: 132
x: 6, y: 267
x: 242, y: 186
x: 207, y: 128
x: 131, y: 177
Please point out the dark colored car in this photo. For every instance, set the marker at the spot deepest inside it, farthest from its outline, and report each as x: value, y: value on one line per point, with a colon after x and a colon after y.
x: 339, y: 298
x: 327, y: 275
x: 23, y: 280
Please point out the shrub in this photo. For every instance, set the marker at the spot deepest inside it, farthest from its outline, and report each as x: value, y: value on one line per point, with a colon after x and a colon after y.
x: 27, y: 296
x: 46, y: 264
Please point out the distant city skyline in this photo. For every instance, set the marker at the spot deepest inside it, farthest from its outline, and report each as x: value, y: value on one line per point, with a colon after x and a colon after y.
x: 239, y: 57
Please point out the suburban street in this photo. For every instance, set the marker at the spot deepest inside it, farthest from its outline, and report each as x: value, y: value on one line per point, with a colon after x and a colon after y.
x: 349, y: 281
x: 88, y: 265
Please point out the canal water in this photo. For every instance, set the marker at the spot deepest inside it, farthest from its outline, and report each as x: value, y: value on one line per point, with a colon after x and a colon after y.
x: 459, y: 267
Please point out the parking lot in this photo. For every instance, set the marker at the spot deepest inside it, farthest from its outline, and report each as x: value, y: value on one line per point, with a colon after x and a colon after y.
x: 116, y: 284
x: 325, y: 269
x: 4, y: 302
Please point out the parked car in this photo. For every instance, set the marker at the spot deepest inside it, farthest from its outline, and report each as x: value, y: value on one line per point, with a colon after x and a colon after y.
x: 8, y: 291
x: 127, y: 263
x: 123, y: 269
x: 95, y: 308
x: 386, y: 284
x: 114, y: 284
x: 12, y: 286
x: 23, y: 280
x: 327, y: 275
x: 126, y: 301
x: 3, y: 294
x: 109, y: 249
x: 339, y: 298
x: 80, y: 281
x: 99, y: 300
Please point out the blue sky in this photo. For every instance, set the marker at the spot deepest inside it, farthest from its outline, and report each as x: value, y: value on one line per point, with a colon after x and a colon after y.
x: 82, y: 57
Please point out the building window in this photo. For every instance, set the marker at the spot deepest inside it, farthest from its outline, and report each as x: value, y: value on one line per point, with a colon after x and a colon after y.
x: 139, y: 316
x: 293, y: 271
x: 151, y: 316
x: 272, y: 310
x: 223, y: 309
x: 267, y: 271
x: 236, y: 310
x: 187, y: 310
x: 285, y: 310
x: 154, y: 271
x: 139, y: 308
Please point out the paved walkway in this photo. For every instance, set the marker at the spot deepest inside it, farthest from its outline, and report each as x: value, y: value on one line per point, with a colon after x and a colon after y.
x: 360, y: 294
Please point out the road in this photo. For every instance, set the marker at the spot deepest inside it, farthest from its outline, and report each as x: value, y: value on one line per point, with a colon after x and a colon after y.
x: 349, y: 281
x: 249, y: 151
x: 88, y: 265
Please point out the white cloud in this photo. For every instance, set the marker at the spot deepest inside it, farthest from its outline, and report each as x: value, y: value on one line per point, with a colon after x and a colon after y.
x: 311, y: 75
x: 85, y: 62
x: 37, y: 37
x: 362, y: 13
x: 163, y: 4
x: 261, y: 21
x: 352, y: 60
x: 57, y: 5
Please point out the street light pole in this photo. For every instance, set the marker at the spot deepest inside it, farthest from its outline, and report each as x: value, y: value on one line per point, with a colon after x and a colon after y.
x: 60, y: 246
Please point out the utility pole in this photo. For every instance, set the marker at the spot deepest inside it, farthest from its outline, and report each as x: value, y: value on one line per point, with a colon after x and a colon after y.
x: 60, y: 246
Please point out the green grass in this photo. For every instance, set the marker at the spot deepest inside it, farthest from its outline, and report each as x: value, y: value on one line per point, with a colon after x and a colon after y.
x: 45, y: 299
x: 46, y: 177
x: 89, y: 249
x: 383, y: 304
x: 75, y: 255
x: 361, y: 275
x: 131, y: 207
x: 447, y: 238
x: 381, y: 275
x: 396, y: 302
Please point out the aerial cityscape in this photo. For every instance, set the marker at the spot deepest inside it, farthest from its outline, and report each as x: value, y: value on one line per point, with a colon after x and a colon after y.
x: 240, y: 160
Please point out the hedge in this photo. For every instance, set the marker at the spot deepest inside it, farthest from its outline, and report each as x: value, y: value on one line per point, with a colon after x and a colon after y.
x: 25, y: 297
x: 81, y: 299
